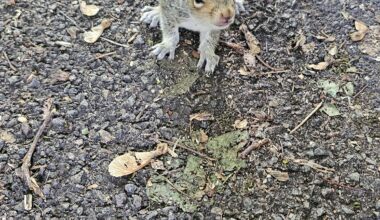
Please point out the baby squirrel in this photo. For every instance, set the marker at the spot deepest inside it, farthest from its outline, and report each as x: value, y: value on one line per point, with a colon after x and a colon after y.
x: 208, y: 17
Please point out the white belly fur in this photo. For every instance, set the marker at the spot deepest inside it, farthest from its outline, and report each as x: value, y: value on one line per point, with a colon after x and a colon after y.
x: 195, y: 25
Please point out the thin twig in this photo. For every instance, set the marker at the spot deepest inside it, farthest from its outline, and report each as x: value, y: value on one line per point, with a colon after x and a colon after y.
x: 307, y: 117
x: 114, y: 42
x: 337, y: 184
x: 71, y: 20
x: 9, y: 62
x: 103, y: 38
x: 312, y: 165
x: 101, y: 56
x: 266, y: 64
x: 237, y: 47
x: 254, y: 146
x: 273, y: 72
x: 26, y: 162
x: 104, y: 55
x: 189, y: 149
x: 357, y: 94
x: 175, y: 187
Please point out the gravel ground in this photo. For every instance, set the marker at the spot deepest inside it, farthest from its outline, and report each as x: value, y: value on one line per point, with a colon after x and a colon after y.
x: 108, y: 106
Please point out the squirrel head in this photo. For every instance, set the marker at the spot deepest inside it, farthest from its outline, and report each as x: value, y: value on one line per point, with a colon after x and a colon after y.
x: 218, y: 13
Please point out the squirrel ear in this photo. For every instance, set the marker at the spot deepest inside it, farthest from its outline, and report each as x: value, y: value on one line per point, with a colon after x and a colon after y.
x: 198, y: 3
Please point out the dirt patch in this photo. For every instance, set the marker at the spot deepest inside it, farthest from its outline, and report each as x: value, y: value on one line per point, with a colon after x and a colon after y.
x: 43, y: 55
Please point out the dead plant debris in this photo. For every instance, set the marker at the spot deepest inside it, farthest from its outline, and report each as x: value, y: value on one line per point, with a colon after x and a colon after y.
x: 280, y: 176
x: 88, y: 10
x: 26, y: 162
x: 93, y: 35
x: 133, y: 161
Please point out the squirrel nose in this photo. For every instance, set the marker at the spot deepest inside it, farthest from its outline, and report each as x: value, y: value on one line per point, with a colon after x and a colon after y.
x: 226, y: 19
x: 226, y: 16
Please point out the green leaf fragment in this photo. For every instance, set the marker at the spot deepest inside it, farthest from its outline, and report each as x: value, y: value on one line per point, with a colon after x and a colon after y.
x: 330, y: 109
x: 349, y: 89
x: 160, y: 191
x: 225, y: 148
x: 329, y: 87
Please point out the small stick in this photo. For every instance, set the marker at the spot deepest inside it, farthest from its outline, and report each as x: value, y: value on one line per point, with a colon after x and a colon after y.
x: 357, y: 94
x: 337, y: 184
x: 273, y: 72
x: 26, y: 161
x: 71, y: 20
x: 237, y: 47
x: 130, y: 40
x: 114, y: 42
x: 254, y: 147
x: 101, y: 56
x: 189, y: 149
x: 104, y: 55
x: 266, y: 64
x: 313, y: 165
x: 307, y: 117
x: 103, y: 38
x: 9, y: 62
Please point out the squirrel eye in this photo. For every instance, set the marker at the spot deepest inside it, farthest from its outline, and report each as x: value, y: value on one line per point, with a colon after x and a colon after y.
x: 198, y: 3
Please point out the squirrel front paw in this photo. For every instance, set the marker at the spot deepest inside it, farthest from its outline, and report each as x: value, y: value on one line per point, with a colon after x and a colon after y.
x: 151, y: 16
x: 160, y: 50
x: 211, y: 60
x: 239, y: 6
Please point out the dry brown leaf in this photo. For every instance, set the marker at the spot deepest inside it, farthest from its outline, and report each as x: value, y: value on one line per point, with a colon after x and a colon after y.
x: 333, y: 50
x: 244, y: 72
x: 319, y: 66
x: 93, y: 35
x: 361, y: 26
x: 249, y: 60
x: 133, y: 161
x: 253, y: 43
x: 89, y: 10
x: 357, y: 36
x: 203, y: 116
x: 241, y: 124
x: 362, y: 30
x: 280, y: 176
x: 308, y: 48
x: 371, y: 44
x: 203, y: 138
x: 7, y: 137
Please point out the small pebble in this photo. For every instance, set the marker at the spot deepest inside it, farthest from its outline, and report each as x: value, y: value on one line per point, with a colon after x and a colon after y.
x: 354, y: 177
